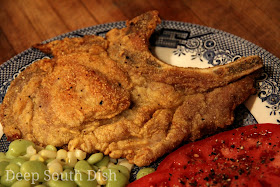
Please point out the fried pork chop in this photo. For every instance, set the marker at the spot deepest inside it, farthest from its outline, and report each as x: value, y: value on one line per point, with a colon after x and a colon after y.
x: 112, y: 95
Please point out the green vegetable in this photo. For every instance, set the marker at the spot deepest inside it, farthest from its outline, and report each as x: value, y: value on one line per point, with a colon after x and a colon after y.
x: 5, y: 159
x: 67, y: 167
x: 17, y: 170
x: 49, y: 160
x: 34, y: 171
x: 83, y: 166
x: 19, y: 161
x: 58, y: 183
x: 143, y: 172
x: 3, y: 166
x: 9, y: 155
x: 94, y: 167
x: 67, y: 174
x: 124, y: 170
x: 8, y: 179
x: 51, y: 148
x: 94, y: 158
x: 115, y: 178
x: 104, y: 162
x: 13, y: 168
x: 84, y: 180
x: 18, y: 147
x: 22, y: 183
x: 2, y: 155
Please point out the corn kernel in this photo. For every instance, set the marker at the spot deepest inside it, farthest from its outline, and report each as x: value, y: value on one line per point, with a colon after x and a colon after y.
x: 48, y: 154
x: 51, y: 148
x: 61, y: 154
x: 80, y: 155
x: 102, y: 168
x: 55, y: 168
x: 37, y: 158
x: 30, y: 151
x: 71, y: 159
x: 101, y: 180
x: 110, y: 164
x: 53, y: 162
x: 125, y: 163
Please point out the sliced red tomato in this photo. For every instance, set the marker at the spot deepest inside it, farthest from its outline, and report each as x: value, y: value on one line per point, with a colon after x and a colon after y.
x: 247, y: 156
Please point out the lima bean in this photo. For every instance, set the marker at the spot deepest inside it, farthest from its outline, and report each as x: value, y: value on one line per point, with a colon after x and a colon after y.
x: 19, y: 161
x: 5, y: 159
x: 2, y: 155
x: 3, y: 166
x: 67, y: 174
x: 34, y: 169
x: 13, y: 168
x: 51, y: 148
x: 8, y: 179
x: 94, y: 167
x: 115, y: 178
x: 94, y: 158
x: 49, y: 160
x: 9, y: 155
x: 22, y: 183
x: 58, y: 183
x: 67, y: 167
x: 83, y: 166
x: 143, y: 172
x: 104, y: 162
x: 84, y: 180
x: 124, y: 170
x: 18, y: 147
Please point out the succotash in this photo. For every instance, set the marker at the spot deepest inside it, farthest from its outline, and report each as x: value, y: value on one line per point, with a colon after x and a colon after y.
x: 26, y: 165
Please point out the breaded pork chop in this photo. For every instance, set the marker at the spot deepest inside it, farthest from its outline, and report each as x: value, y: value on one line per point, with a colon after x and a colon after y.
x: 112, y: 95
x: 50, y: 100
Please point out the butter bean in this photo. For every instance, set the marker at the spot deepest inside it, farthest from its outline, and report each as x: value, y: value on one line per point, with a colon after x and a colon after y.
x: 124, y: 170
x: 58, y: 183
x: 34, y: 169
x: 67, y: 174
x: 22, y: 183
x: 84, y: 180
x: 143, y: 172
x: 104, y: 162
x: 94, y: 158
x: 115, y: 178
x: 19, y: 161
x: 83, y: 166
x: 3, y: 166
x: 51, y: 148
x: 13, y: 168
x: 2, y: 155
x: 8, y: 179
x: 18, y: 147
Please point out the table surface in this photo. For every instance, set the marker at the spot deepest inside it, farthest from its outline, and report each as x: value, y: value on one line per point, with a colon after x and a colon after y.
x: 27, y: 22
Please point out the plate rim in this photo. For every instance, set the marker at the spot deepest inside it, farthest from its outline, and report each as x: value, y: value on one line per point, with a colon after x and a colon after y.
x: 163, y: 23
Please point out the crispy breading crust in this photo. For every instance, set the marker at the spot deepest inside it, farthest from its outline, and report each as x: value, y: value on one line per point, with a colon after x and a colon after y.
x: 112, y: 95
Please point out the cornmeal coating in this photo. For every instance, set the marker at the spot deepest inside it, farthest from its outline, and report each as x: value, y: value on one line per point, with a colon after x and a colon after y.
x: 112, y: 95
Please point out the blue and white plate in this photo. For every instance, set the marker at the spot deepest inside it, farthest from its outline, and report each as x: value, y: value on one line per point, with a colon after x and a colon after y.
x: 186, y: 45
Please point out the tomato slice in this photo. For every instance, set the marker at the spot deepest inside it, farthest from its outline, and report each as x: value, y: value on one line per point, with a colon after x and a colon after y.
x: 246, y: 156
